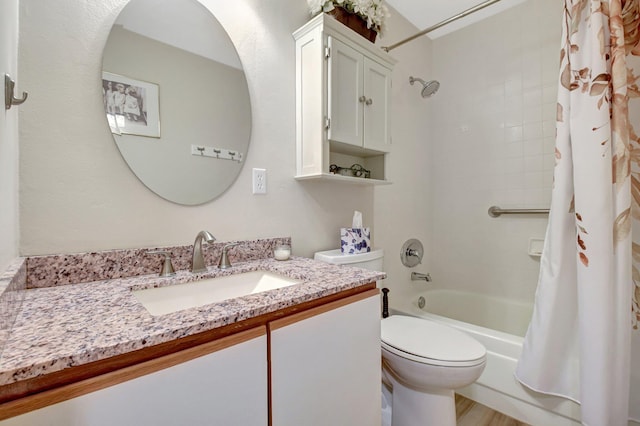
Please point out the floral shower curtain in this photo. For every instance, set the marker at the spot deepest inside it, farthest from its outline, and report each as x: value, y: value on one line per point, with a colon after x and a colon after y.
x: 583, y: 342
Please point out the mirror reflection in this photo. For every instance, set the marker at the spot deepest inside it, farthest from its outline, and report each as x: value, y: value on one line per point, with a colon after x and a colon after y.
x: 176, y: 99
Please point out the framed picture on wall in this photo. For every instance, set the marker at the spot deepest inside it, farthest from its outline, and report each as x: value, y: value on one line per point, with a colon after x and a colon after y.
x: 132, y: 106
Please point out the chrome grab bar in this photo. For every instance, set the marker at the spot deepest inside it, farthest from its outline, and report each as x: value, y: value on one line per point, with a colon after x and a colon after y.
x: 495, y: 211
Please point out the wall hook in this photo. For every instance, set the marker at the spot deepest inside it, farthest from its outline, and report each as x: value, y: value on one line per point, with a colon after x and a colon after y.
x: 9, y: 97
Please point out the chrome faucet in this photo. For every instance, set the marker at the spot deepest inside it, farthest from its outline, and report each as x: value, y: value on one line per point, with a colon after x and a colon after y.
x: 417, y: 276
x: 197, y: 261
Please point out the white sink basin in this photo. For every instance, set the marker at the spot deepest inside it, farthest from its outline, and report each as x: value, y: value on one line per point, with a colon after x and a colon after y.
x: 173, y: 298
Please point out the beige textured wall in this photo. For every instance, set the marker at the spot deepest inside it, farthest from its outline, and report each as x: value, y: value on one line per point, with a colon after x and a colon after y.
x: 495, y: 130
x: 77, y: 193
x: 403, y: 210
x: 9, y: 135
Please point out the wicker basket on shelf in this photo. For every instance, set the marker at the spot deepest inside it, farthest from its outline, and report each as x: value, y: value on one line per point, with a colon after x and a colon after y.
x: 355, y: 22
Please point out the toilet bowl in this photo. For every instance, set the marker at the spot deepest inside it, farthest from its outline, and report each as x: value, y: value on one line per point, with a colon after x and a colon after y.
x: 422, y: 361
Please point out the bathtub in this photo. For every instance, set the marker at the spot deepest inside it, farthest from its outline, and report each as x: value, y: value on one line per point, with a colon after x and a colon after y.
x: 499, y: 324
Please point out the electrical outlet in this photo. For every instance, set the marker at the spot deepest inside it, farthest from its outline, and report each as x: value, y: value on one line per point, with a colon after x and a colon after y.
x: 259, y: 181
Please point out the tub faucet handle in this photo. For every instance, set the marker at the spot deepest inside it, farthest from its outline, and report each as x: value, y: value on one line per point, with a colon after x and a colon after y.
x: 411, y: 253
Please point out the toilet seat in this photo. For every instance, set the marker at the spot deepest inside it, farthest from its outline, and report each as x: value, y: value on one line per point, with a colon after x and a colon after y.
x: 428, y: 342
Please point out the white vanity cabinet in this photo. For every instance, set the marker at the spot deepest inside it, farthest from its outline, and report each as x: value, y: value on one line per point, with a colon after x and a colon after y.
x: 343, y: 94
x: 225, y: 387
x: 325, y: 365
x: 317, y: 366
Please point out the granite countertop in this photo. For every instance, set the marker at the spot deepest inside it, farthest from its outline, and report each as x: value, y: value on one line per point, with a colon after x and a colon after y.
x: 71, y: 325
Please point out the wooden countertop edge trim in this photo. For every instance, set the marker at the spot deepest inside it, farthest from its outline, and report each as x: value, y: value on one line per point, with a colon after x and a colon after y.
x: 12, y: 392
x: 83, y: 387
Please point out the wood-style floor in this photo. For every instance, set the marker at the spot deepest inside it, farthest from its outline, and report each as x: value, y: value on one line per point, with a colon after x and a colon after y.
x: 470, y: 413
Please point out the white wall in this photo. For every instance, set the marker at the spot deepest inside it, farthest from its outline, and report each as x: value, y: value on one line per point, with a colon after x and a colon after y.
x: 77, y: 193
x: 493, y: 144
x: 9, y: 135
x: 403, y: 210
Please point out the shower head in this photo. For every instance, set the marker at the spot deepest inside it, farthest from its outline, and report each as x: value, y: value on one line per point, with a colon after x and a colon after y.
x: 429, y: 88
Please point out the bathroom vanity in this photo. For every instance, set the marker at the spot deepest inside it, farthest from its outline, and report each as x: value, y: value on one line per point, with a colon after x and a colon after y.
x: 90, y: 353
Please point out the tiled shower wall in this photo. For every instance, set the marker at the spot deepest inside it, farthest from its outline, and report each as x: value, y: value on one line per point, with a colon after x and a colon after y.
x: 493, y: 144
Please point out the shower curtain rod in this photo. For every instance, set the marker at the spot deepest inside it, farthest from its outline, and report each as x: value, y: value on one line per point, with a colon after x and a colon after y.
x: 441, y: 24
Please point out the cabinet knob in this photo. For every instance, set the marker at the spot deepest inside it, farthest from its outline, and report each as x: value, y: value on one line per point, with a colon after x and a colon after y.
x: 369, y: 101
x: 362, y: 99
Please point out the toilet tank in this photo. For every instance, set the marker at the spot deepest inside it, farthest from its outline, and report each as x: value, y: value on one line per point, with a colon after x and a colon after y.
x: 371, y: 260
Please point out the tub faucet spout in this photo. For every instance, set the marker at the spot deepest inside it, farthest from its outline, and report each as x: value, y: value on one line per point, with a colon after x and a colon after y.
x: 197, y: 260
x: 417, y: 276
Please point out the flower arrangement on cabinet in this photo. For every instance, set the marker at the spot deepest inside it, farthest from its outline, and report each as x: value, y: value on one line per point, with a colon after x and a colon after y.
x: 374, y: 12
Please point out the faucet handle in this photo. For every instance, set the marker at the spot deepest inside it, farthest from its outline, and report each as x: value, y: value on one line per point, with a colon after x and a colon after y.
x: 167, y: 266
x: 411, y: 253
x: 224, y: 259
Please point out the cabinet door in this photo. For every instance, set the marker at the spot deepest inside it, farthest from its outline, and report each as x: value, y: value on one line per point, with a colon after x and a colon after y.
x: 345, y: 102
x: 377, y: 91
x: 325, y: 365
x: 226, y: 387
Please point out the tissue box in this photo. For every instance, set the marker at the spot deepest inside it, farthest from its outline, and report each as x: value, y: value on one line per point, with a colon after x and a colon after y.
x: 355, y: 240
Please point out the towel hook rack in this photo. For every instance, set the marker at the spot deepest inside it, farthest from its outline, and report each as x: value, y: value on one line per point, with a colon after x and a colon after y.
x: 9, y: 97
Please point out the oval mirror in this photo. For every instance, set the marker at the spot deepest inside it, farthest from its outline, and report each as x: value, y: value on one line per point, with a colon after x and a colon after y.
x: 176, y: 99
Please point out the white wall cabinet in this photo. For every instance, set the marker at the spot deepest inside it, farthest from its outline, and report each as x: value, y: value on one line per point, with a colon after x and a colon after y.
x: 359, y: 97
x: 343, y: 94
x: 325, y: 365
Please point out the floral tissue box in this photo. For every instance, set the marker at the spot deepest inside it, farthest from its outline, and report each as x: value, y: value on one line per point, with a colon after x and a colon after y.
x: 355, y: 240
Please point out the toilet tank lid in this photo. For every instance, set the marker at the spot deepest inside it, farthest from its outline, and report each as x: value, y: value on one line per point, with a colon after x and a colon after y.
x: 336, y: 256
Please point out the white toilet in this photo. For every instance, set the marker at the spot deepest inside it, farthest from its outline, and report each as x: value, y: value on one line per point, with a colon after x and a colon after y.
x: 422, y: 360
